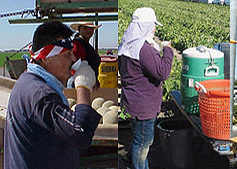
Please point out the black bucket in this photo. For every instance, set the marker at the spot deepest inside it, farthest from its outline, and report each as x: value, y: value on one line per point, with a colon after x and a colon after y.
x: 177, y: 143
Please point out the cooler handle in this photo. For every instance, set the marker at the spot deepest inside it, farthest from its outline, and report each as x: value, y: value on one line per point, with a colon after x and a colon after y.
x: 211, y: 73
x: 205, y: 49
x: 201, y: 48
x: 200, y: 88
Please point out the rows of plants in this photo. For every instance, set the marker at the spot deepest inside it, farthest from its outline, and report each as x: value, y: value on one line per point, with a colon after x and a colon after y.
x: 14, y: 55
x: 9, y: 54
x: 186, y: 24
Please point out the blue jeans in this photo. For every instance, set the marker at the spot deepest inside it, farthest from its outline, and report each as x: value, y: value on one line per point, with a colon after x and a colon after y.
x: 143, y: 136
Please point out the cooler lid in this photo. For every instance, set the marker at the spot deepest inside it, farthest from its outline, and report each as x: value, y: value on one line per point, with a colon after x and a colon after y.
x: 202, y: 52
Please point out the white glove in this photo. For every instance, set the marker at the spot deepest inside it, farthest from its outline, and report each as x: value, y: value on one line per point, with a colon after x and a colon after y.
x: 84, y: 76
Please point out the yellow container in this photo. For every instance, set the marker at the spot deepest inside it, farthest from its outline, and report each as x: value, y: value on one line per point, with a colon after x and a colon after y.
x: 108, y: 72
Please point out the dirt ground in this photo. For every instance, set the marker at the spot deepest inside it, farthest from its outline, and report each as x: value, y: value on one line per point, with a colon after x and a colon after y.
x: 204, y: 156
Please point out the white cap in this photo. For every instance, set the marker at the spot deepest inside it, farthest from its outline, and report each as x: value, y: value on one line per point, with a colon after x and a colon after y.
x: 145, y: 14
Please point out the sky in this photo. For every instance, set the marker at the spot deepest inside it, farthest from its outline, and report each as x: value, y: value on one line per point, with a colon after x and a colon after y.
x: 15, y: 36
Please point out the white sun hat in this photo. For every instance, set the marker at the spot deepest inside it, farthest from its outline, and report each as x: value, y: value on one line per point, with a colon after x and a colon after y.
x: 145, y: 14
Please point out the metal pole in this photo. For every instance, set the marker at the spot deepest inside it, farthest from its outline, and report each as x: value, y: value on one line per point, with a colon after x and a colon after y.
x: 233, y: 27
x: 4, y: 69
x: 96, y: 32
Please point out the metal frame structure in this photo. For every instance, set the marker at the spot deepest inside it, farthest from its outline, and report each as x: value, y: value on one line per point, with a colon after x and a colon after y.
x: 69, y: 6
x: 233, y: 36
x: 55, y: 9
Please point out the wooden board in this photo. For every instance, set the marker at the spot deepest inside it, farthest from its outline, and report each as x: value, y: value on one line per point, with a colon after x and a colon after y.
x: 7, y: 82
x: 234, y: 139
x: 106, y: 132
x: 106, y: 135
x: 6, y: 85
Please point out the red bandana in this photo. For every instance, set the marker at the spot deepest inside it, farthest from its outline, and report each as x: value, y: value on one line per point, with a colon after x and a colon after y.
x: 52, y: 50
x: 47, y: 51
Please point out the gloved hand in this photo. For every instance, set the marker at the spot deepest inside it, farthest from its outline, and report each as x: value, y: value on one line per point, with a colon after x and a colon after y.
x: 84, y: 76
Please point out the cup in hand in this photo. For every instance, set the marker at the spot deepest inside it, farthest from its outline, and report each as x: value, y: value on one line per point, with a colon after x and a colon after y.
x: 164, y: 43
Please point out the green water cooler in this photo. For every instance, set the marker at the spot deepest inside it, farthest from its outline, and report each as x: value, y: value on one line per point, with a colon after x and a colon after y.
x: 199, y: 64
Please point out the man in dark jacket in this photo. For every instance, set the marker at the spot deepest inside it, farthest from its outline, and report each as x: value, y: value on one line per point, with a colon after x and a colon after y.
x: 41, y: 131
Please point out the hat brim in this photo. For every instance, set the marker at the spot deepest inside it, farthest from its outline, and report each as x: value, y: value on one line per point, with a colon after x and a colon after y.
x: 158, y: 23
x: 75, y: 26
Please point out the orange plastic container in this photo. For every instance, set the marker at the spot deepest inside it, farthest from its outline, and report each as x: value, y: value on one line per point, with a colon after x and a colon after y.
x: 214, y: 105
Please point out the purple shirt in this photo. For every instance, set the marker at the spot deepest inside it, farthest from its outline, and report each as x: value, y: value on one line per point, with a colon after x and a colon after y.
x: 142, y: 80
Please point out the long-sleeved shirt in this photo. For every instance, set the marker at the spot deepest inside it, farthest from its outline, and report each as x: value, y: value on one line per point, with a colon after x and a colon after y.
x: 40, y: 131
x: 142, y: 81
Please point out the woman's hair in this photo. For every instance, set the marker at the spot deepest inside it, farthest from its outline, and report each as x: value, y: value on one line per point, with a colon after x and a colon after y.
x: 49, y: 32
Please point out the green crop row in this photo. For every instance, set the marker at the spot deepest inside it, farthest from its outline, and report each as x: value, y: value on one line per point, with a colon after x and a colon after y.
x: 185, y: 24
x: 15, y: 55
x: 12, y: 55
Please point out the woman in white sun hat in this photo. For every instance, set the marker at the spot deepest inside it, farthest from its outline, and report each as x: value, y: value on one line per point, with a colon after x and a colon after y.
x: 142, y: 73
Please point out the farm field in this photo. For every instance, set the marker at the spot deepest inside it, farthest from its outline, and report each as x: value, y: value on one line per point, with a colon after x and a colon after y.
x: 19, y: 55
x: 16, y: 56
x: 186, y: 24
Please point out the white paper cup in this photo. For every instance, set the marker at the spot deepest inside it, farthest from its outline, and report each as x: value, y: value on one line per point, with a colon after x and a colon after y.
x: 164, y: 43
x: 76, y: 65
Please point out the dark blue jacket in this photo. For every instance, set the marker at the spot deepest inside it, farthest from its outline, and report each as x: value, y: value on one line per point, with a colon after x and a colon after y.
x: 41, y: 131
